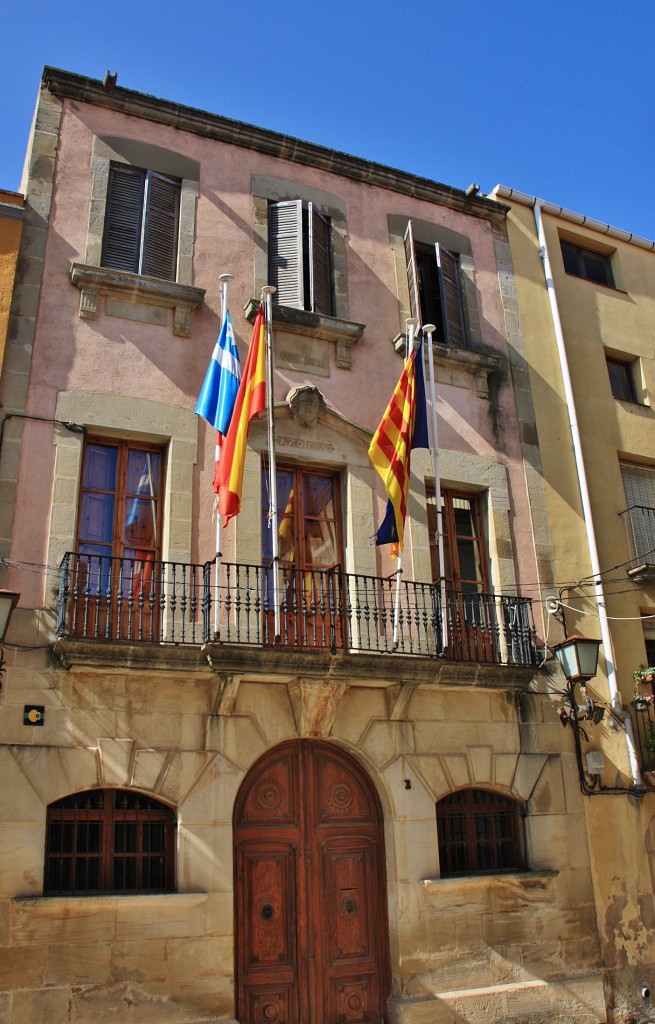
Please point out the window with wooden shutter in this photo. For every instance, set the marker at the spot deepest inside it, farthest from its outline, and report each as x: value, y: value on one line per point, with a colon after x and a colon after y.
x: 141, y: 223
x: 435, y: 294
x: 299, y: 256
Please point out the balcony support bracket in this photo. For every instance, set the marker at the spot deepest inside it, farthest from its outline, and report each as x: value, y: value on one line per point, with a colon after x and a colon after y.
x: 314, y: 703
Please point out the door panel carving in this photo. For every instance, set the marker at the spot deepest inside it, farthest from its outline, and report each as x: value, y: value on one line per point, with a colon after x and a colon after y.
x: 310, y: 893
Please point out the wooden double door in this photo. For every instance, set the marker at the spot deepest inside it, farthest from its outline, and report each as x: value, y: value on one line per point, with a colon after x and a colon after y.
x: 311, y: 942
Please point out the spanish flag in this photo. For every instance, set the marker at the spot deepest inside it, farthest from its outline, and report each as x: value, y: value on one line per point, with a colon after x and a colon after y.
x: 403, y: 427
x: 250, y: 400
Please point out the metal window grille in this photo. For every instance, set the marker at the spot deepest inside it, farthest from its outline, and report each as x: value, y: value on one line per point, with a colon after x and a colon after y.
x: 479, y: 832
x: 108, y: 841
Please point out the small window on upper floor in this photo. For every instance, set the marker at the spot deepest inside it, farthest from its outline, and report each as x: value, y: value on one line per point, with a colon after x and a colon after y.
x: 300, y: 256
x: 435, y: 289
x: 587, y: 263
x: 109, y: 841
x: 480, y: 832
x: 622, y: 381
x: 141, y: 222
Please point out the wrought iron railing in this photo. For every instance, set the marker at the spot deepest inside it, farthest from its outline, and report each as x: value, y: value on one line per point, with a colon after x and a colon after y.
x: 640, y: 528
x: 141, y: 601
x: 643, y: 723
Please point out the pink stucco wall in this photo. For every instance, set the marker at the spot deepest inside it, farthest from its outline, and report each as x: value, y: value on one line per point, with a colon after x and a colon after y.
x: 119, y: 356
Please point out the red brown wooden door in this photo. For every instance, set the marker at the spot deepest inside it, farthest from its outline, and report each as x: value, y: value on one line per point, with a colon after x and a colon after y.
x: 310, y: 893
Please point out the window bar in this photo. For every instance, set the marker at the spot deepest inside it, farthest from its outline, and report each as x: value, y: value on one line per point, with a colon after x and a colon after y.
x: 154, y: 584
x: 205, y: 601
x: 161, y: 602
x: 184, y: 583
x: 254, y: 588
x: 173, y: 598
x: 193, y: 602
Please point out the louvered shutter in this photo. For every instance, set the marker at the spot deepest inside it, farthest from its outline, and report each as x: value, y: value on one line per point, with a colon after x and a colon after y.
x: 412, y: 273
x: 320, y: 275
x: 122, y: 238
x: 451, y: 297
x: 285, y: 254
x: 162, y: 207
x: 639, y: 487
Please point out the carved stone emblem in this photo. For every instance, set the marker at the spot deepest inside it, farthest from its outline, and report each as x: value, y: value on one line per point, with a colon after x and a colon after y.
x: 306, y: 404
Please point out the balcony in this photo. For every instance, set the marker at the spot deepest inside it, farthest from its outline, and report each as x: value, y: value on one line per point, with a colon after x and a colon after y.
x: 139, y: 602
x: 640, y: 527
x: 643, y: 723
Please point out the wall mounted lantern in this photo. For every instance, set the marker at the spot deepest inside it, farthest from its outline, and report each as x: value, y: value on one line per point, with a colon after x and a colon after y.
x: 578, y: 656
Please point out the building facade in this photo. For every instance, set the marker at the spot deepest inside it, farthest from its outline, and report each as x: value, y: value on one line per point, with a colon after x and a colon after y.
x: 341, y: 796
x: 586, y: 296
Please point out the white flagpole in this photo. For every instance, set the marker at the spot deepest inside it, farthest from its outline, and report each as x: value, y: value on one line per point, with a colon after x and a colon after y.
x: 224, y: 278
x: 409, y: 348
x: 267, y: 299
x: 434, y: 440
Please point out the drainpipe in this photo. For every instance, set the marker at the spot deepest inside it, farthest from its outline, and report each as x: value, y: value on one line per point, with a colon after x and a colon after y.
x: 615, y: 696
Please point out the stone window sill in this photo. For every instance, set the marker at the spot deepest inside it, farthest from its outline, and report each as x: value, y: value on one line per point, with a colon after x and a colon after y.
x: 465, y: 363
x: 136, y: 292
x: 527, y: 885
x: 344, y: 333
x: 107, y: 898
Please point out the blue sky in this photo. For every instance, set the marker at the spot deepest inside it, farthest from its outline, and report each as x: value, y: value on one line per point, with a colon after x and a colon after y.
x: 552, y: 98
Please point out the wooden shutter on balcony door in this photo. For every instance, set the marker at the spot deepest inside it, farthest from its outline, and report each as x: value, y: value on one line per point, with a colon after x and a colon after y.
x: 451, y: 297
x: 320, y: 276
x: 160, y: 231
x: 285, y: 257
x: 412, y: 273
x: 123, y: 216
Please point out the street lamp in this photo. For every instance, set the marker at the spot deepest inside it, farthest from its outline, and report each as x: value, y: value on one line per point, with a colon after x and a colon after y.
x: 578, y: 658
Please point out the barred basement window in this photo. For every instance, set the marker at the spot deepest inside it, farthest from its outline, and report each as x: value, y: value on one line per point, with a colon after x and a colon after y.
x: 141, y: 222
x: 116, y: 841
x: 480, y: 832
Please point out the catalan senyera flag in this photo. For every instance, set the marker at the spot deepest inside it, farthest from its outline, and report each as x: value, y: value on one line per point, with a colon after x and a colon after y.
x: 250, y: 400
x: 403, y: 427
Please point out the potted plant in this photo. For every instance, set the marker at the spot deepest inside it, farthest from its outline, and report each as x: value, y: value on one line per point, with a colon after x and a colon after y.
x: 644, y: 674
x: 643, y: 677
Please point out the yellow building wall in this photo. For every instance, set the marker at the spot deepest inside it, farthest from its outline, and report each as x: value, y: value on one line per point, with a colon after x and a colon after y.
x: 11, y: 229
x: 598, y: 321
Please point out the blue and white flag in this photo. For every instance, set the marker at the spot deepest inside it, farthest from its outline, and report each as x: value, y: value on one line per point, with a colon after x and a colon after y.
x: 219, y: 389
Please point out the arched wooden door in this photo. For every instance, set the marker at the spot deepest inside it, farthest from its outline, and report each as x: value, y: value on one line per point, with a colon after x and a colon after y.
x: 311, y: 931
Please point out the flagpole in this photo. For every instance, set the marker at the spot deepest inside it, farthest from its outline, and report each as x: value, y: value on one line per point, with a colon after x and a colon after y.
x: 409, y: 348
x: 267, y: 298
x: 428, y: 330
x: 224, y: 279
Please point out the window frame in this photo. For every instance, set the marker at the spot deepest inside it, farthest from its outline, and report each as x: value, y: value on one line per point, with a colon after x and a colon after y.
x: 301, y: 473
x: 140, y: 236
x: 105, y: 850
x: 626, y: 367
x: 462, y: 855
x: 454, y: 580
x: 121, y: 495
x: 579, y: 260
x: 300, y: 256
x: 443, y: 278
